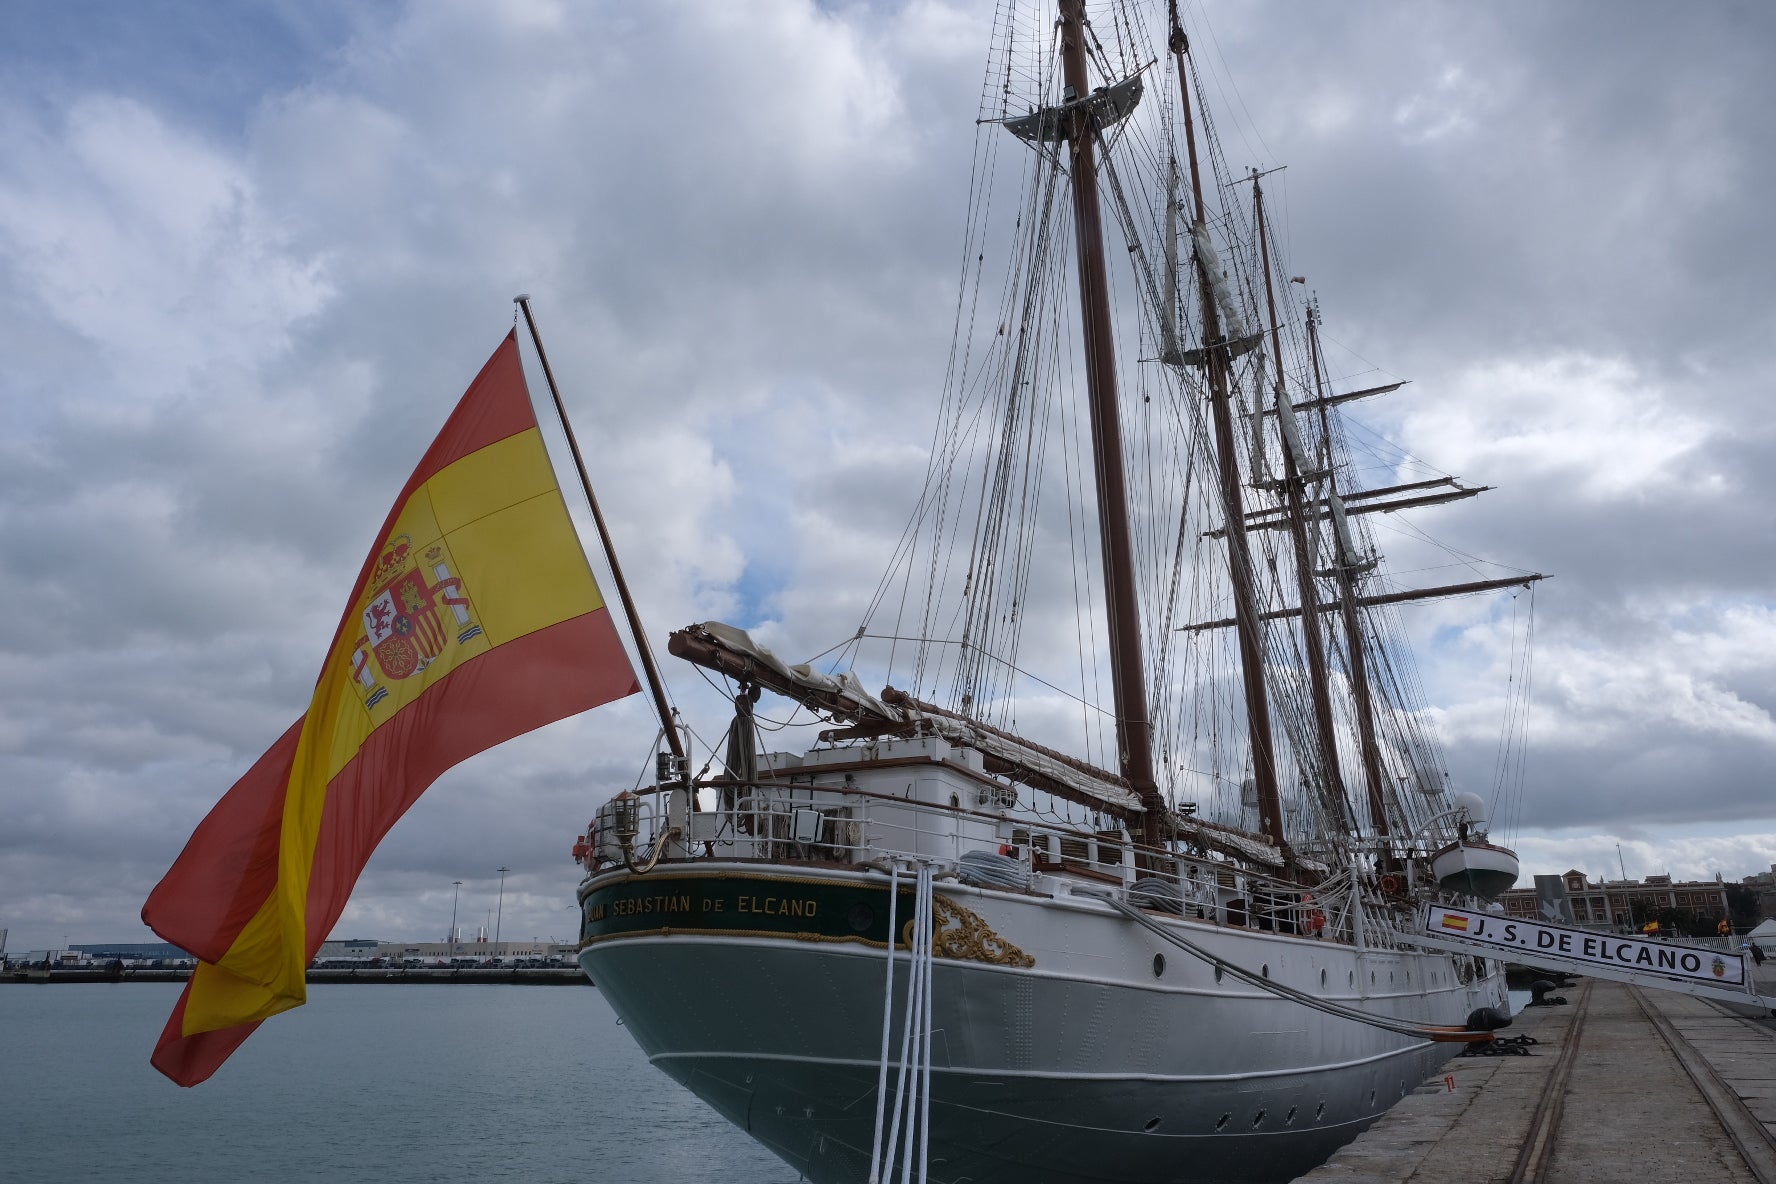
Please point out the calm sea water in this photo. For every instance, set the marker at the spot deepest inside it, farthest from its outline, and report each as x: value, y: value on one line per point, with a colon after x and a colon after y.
x: 435, y: 1083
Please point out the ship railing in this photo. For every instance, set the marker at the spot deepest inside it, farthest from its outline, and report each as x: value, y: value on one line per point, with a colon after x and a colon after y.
x: 781, y: 822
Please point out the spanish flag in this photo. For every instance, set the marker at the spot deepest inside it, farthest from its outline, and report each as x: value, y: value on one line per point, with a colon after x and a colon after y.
x: 1451, y: 921
x: 475, y: 619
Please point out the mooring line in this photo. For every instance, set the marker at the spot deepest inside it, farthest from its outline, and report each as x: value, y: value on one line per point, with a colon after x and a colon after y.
x: 887, y: 1023
x: 912, y: 1091
x: 1431, y: 1032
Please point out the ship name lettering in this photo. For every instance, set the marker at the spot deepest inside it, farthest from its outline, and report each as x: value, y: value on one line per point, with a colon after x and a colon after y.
x: 777, y: 906
x: 650, y: 904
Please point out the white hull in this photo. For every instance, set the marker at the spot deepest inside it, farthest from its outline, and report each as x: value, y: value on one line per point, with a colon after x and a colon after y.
x: 1086, y: 1066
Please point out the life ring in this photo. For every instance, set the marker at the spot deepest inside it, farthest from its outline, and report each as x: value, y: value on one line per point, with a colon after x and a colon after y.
x: 1392, y: 886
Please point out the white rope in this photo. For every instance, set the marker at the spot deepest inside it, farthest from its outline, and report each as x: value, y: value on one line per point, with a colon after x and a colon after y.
x: 887, y: 1020
x: 912, y: 1090
x: 929, y: 927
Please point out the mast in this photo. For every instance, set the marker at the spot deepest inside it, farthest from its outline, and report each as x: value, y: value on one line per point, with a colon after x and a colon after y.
x: 656, y: 687
x: 1347, y: 565
x: 1133, y: 728
x: 1294, y: 458
x: 1215, y: 359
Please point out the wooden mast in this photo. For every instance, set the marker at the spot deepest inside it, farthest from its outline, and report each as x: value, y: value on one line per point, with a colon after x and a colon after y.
x: 1331, y: 780
x: 1133, y: 729
x: 1353, y: 633
x: 1251, y: 646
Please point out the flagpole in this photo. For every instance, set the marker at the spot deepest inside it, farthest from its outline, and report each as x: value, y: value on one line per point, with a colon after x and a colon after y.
x: 655, y: 686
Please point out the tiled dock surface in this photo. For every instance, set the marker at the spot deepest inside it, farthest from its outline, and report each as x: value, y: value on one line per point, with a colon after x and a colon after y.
x: 1631, y: 1114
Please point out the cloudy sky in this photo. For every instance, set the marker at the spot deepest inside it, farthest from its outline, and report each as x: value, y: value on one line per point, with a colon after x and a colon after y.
x: 251, y: 254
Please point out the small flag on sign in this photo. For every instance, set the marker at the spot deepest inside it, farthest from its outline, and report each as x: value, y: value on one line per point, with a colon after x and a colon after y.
x: 1451, y: 921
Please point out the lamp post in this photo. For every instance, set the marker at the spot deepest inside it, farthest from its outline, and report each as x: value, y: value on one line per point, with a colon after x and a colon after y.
x: 454, y: 898
x: 500, y: 915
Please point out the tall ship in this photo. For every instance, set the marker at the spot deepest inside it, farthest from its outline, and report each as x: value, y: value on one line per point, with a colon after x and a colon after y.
x: 1114, y: 876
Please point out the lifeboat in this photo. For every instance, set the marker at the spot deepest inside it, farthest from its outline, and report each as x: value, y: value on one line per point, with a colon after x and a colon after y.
x: 1476, y: 867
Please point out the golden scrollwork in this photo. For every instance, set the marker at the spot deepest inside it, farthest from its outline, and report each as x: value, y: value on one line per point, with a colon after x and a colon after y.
x: 960, y: 933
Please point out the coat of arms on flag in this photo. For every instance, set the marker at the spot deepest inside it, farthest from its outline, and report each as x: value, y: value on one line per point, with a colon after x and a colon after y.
x: 403, y: 625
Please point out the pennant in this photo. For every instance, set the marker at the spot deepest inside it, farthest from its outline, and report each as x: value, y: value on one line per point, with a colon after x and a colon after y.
x: 474, y: 619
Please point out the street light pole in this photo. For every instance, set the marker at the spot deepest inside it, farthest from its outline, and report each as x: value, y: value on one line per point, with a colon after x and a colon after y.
x: 457, y: 896
x: 500, y: 915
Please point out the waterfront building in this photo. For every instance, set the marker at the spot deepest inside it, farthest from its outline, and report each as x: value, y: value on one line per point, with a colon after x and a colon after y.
x: 503, y: 950
x: 132, y: 951
x: 1624, y: 904
x: 360, y: 949
x: 366, y: 951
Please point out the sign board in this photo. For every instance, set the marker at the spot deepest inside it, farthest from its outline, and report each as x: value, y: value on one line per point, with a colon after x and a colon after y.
x: 1513, y: 936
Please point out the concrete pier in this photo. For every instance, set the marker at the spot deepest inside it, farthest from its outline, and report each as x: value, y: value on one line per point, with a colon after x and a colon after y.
x: 1659, y: 1088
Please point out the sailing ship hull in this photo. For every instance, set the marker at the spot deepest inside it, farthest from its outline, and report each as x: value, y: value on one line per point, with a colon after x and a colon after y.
x: 1069, y: 1045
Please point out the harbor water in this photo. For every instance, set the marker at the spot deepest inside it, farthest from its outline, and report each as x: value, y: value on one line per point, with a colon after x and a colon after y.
x: 440, y: 1083
x: 446, y: 1083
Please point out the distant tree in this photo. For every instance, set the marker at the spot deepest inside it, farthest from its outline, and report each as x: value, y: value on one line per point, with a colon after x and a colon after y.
x: 1742, y: 906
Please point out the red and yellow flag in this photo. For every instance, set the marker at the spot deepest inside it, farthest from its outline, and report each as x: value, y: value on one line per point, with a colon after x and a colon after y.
x: 475, y: 619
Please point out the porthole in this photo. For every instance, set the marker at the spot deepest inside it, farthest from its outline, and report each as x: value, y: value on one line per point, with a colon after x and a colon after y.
x: 955, y: 802
x: 1319, y: 1111
x: 1289, y: 1118
x: 1221, y: 1123
x: 1266, y: 970
x: 1256, y: 1119
x: 1217, y: 974
x: 1353, y: 978
x: 1390, y: 978
x: 1322, y: 979
x: 1159, y: 968
x: 1152, y: 1124
x: 861, y: 917
x: 1402, y: 1087
x: 1372, y: 1097
x: 1372, y: 978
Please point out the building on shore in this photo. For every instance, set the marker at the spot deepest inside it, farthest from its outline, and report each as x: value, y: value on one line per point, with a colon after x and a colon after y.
x: 365, y: 950
x: 1624, y: 904
x: 131, y: 951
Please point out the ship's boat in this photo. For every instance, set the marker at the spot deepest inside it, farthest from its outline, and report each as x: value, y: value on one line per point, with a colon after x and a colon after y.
x: 1150, y: 920
x: 1475, y: 867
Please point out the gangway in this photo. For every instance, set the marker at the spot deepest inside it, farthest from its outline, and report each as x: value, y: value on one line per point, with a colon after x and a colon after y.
x: 1668, y: 966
